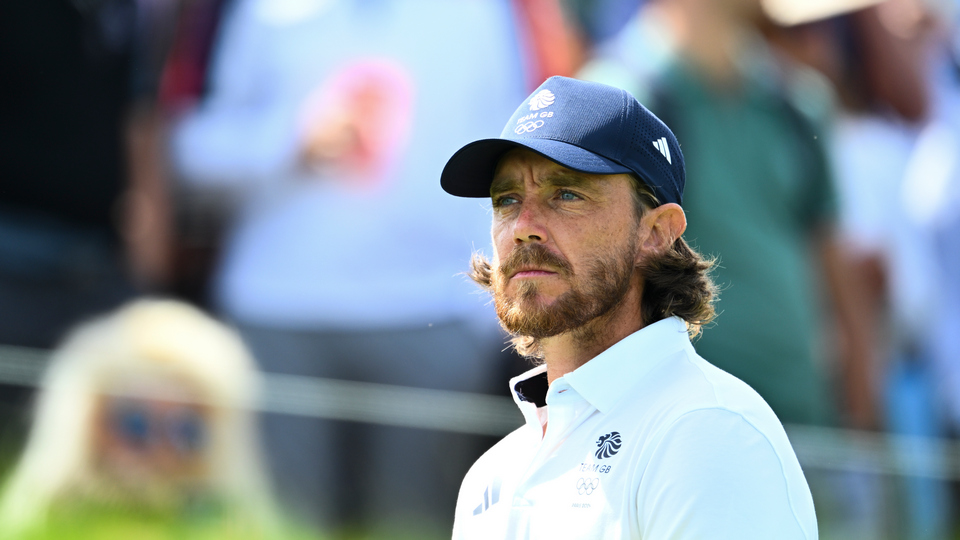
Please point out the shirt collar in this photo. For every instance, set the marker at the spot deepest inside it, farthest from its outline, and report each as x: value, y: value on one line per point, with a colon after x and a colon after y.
x: 529, y: 391
x: 605, y: 379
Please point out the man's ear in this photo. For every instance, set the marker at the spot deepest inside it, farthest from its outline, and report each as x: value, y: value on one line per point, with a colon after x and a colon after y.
x: 661, y: 226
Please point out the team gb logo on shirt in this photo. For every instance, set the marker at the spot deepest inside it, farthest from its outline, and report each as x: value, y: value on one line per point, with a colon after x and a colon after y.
x: 609, y: 445
x: 541, y: 100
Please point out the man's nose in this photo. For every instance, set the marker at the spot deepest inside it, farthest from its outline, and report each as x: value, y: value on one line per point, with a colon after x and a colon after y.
x: 530, y: 226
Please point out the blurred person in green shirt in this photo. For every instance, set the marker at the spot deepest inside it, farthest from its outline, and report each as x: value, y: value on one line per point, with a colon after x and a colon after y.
x: 763, y: 202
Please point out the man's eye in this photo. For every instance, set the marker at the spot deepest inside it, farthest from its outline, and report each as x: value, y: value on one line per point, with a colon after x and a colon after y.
x: 505, y: 200
x: 568, y: 196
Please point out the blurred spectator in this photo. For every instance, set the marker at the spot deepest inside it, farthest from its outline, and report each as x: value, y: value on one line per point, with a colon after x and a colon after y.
x: 329, y: 123
x: 895, y: 147
x: 600, y: 20
x: 760, y: 197
x: 143, y: 429
x: 81, y: 208
x: 68, y: 171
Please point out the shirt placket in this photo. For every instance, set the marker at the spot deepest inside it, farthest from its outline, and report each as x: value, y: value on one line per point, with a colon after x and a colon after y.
x: 566, y: 410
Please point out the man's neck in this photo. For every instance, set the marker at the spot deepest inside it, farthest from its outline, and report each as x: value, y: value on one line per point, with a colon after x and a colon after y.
x: 570, y: 350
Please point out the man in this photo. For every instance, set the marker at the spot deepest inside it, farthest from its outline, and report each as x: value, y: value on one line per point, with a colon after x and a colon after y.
x: 629, y: 433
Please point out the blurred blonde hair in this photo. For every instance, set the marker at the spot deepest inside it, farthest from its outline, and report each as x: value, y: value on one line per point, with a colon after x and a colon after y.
x: 162, y: 339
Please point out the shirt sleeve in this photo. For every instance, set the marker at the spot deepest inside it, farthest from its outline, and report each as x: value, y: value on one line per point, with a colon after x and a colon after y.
x: 715, y: 475
x: 822, y: 204
x: 810, y: 96
x: 244, y: 132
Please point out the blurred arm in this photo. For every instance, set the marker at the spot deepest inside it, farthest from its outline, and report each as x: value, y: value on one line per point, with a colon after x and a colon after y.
x: 244, y: 132
x: 147, y: 214
x: 892, y: 43
x: 856, y: 316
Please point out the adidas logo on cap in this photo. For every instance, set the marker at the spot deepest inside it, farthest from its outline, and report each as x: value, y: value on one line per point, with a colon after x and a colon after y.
x: 664, y: 148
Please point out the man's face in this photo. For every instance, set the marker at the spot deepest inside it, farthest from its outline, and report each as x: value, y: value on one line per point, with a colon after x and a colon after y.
x: 565, y: 244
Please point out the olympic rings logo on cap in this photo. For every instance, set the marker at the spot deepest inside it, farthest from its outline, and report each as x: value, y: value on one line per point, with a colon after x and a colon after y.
x: 528, y: 127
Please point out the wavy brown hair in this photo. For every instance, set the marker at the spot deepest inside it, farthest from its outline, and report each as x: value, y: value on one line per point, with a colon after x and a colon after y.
x: 676, y: 282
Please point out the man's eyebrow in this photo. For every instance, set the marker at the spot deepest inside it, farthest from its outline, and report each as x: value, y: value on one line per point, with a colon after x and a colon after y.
x: 563, y: 178
x: 567, y: 178
x: 503, y: 183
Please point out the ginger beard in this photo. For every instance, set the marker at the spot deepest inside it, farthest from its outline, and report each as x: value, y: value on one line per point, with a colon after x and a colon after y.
x: 594, y: 292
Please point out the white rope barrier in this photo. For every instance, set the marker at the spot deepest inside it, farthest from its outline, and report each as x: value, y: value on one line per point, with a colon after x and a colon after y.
x: 480, y: 414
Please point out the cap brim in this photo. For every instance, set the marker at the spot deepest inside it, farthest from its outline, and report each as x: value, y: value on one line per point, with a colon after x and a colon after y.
x: 470, y: 171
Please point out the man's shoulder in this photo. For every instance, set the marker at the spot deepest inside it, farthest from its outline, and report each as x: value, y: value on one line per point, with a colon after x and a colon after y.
x: 688, y: 382
x: 727, y: 390
x: 506, y: 451
x: 741, y: 476
x: 688, y: 389
x: 708, y: 431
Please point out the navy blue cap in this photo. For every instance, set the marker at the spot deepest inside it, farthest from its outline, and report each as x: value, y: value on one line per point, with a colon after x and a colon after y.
x: 584, y: 126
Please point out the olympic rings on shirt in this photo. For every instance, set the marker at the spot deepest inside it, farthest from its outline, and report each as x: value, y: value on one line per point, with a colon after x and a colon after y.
x: 586, y: 486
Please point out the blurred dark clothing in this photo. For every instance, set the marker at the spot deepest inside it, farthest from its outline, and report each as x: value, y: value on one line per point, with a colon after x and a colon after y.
x: 183, y: 78
x: 65, y: 93
x: 52, y: 275
x: 66, y: 72
x: 65, y: 90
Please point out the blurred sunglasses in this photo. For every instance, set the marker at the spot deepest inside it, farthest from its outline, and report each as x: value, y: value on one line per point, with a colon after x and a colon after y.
x: 141, y: 426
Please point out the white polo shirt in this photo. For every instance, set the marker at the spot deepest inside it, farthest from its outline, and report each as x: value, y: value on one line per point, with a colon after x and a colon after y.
x: 647, y: 440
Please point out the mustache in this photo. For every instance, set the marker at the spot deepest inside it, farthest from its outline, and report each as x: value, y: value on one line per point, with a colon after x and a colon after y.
x: 535, y: 255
